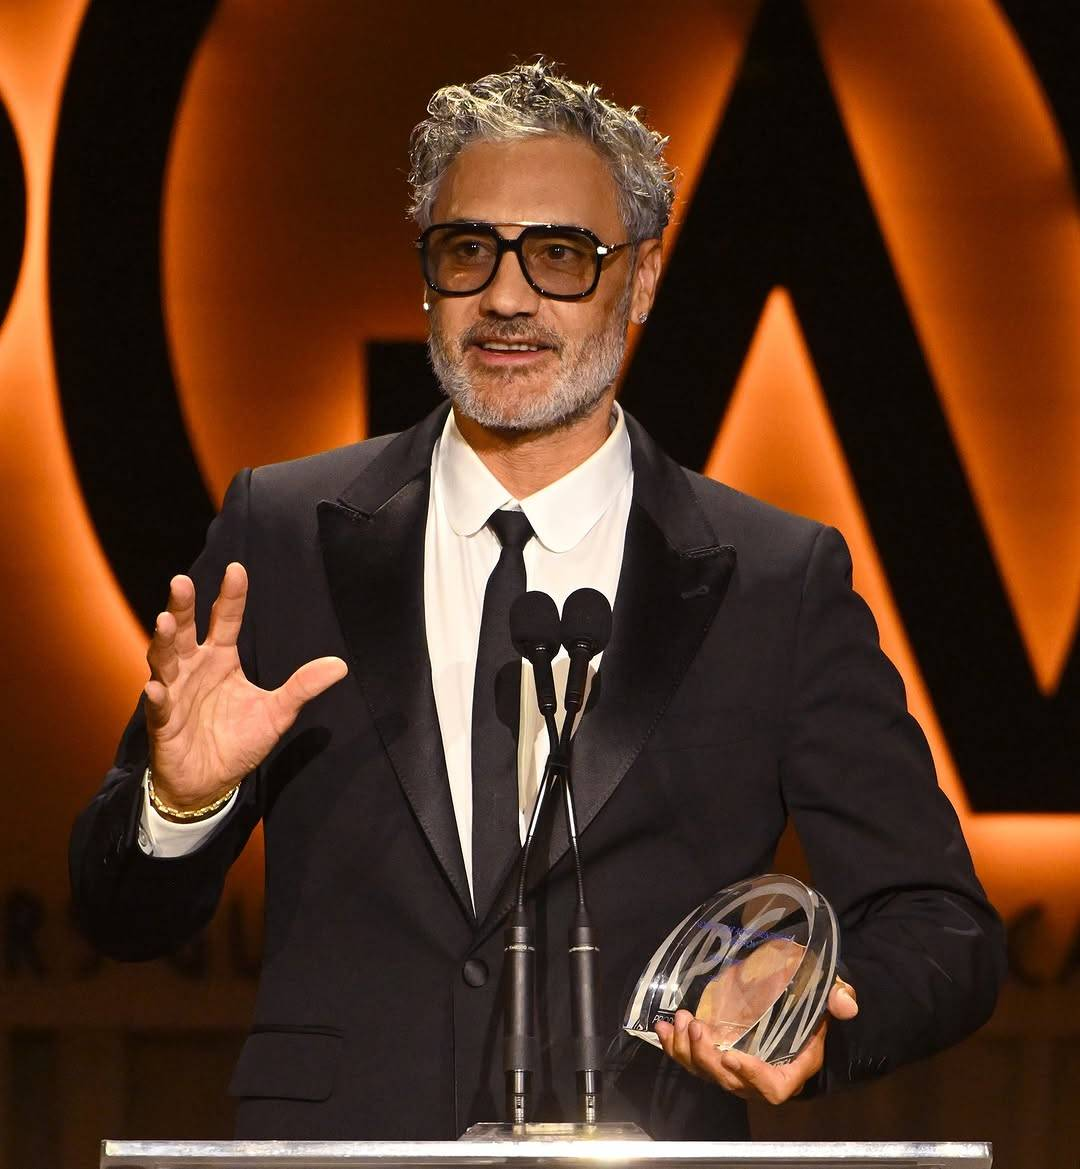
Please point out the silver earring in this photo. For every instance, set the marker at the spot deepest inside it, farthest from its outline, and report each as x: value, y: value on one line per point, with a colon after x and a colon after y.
x: 427, y: 307
x: 642, y: 318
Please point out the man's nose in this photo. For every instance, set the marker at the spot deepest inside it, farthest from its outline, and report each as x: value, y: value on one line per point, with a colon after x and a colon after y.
x: 509, y: 294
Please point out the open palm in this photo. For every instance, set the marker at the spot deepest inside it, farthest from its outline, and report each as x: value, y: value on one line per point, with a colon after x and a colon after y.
x: 208, y: 725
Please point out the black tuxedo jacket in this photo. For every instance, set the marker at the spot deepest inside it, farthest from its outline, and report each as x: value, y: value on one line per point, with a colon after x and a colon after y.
x: 743, y: 685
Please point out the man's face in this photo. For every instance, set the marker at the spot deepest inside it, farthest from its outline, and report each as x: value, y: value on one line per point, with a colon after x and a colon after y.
x: 578, y: 344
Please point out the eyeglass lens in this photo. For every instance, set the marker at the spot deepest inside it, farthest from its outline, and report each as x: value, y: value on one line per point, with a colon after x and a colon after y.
x: 462, y: 260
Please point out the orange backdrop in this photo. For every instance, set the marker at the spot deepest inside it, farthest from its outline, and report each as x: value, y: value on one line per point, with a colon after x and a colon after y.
x: 284, y: 195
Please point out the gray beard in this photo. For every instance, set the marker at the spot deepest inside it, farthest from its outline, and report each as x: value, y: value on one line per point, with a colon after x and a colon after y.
x: 578, y: 389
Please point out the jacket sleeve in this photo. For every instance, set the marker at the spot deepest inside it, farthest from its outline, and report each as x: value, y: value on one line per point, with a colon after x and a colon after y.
x: 133, y: 906
x: 919, y: 941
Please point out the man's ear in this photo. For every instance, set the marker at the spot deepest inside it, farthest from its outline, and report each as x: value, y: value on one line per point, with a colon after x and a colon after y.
x: 646, y: 278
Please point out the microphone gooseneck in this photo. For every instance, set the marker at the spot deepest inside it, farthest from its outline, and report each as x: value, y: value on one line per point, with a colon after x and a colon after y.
x: 536, y: 632
x: 586, y: 631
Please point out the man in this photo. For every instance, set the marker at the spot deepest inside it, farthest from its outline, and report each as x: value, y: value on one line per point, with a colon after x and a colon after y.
x: 344, y: 692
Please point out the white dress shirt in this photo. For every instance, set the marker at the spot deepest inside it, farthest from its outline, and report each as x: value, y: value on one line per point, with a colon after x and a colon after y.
x: 579, y: 523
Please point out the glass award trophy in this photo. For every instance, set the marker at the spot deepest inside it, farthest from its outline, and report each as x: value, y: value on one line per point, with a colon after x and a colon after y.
x: 755, y: 964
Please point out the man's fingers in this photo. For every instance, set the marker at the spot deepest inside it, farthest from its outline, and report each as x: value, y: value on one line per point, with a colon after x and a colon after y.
x: 759, y: 1079
x: 708, y: 1061
x: 161, y: 655
x: 842, y: 1001
x: 157, y: 704
x: 181, y: 605
x: 666, y: 1035
x: 228, y: 612
x: 775, y: 1084
x: 310, y: 680
x: 690, y: 1043
x: 680, y: 1042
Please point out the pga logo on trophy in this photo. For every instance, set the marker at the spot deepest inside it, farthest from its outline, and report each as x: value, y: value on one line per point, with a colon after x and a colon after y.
x: 754, y: 964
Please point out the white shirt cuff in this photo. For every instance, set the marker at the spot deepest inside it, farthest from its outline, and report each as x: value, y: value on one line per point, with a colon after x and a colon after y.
x: 162, y: 838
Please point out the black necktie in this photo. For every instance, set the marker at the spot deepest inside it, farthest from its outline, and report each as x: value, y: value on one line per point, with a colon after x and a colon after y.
x: 496, y: 703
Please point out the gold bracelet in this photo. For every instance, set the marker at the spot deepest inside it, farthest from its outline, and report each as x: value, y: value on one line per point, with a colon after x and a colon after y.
x: 184, y: 815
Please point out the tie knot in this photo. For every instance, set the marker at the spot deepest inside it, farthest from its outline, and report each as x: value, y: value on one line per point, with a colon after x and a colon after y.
x: 512, y: 528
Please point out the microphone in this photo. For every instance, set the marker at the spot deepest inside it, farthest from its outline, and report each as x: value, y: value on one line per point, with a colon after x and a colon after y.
x: 586, y: 630
x: 536, y: 633
x: 534, y: 630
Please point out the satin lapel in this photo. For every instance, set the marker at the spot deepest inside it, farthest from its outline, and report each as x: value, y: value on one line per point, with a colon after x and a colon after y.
x: 373, y: 548
x: 673, y: 579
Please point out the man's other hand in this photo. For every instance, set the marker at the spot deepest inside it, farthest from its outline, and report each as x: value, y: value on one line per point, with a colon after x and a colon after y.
x: 208, y: 725
x: 689, y: 1044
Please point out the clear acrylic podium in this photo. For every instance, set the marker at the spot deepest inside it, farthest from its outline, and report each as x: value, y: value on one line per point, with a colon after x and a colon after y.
x: 539, y: 1154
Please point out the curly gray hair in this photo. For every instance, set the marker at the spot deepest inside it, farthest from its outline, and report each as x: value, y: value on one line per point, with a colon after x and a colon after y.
x: 535, y: 99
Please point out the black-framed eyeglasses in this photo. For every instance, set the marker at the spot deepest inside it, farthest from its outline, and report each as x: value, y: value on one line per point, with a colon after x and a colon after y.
x: 560, y: 262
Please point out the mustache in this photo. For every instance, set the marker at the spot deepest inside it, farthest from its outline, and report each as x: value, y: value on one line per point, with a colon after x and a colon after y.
x: 510, y: 331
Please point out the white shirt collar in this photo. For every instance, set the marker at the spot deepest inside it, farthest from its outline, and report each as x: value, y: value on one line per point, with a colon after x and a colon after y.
x: 561, y: 514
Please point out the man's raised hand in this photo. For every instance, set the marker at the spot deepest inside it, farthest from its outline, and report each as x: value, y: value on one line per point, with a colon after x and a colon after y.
x: 208, y: 725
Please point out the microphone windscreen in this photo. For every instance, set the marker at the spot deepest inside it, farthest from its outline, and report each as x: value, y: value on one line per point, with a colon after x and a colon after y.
x: 534, y: 621
x: 586, y: 617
